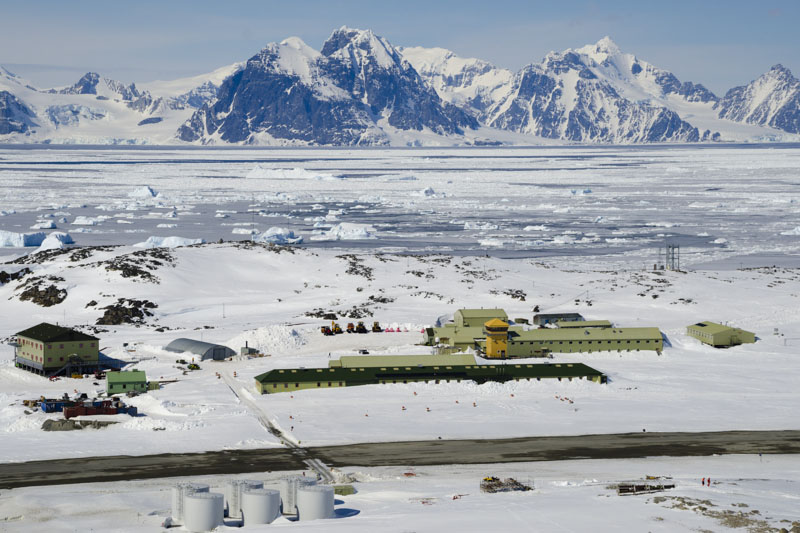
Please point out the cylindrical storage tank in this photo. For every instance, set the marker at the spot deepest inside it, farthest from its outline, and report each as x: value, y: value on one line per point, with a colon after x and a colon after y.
x: 179, y: 492
x: 233, y: 493
x: 260, y: 506
x: 202, y: 511
x: 288, y: 488
x: 314, y: 503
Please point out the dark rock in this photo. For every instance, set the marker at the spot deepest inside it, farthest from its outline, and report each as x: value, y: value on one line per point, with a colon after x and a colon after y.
x: 38, y: 291
x: 126, y: 311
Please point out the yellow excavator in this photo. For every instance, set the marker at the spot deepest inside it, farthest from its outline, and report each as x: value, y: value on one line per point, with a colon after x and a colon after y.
x: 376, y: 327
x: 336, y: 328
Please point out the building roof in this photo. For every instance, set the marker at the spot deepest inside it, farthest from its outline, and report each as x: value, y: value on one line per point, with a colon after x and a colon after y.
x: 366, y: 361
x: 590, y: 334
x: 496, y: 323
x: 479, y: 373
x: 195, y: 347
x: 711, y: 328
x: 478, y: 313
x: 557, y: 315
x: 129, y: 376
x: 583, y: 324
x: 45, y: 332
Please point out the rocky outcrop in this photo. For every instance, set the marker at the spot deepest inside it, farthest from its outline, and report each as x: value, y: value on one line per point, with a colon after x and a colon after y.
x: 43, y: 291
x: 126, y: 311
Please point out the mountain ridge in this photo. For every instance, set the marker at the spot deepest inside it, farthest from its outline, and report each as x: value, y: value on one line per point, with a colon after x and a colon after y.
x: 359, y: 89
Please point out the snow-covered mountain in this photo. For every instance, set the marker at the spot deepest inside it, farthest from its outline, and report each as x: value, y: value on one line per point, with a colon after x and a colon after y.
x: 771, y: 100
x: 97, y: 110
x: 592, y: 94
x: 358, y: 89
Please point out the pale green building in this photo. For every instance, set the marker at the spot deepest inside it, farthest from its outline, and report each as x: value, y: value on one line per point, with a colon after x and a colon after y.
x: 719, y: 335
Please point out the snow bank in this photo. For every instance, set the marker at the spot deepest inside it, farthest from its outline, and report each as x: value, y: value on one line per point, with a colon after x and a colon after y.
x: 56, y: 241
x: 167, y: 242
x: 279, y: 236
x: 19, y: 240
x: 347, y: 231
x: 143, y: 192
x: 270, y: 339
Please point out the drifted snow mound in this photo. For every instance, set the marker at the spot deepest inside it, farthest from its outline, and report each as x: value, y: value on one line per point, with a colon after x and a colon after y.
x: 143, y: 192
x: 167, y: 242
x: 278, y: 235
x: 347, y: 231
x: 20, y: 240
x: 270, y: 339
x: 56, y: 241
x: 260, y: 172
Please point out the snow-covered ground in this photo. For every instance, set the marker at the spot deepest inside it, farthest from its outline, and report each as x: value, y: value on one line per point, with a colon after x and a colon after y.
x: 568, y: 229
x: 236, y: 294
x: 748, y: 493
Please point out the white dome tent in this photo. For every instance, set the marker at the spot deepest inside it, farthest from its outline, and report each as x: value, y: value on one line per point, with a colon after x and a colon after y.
x: 205, y: 350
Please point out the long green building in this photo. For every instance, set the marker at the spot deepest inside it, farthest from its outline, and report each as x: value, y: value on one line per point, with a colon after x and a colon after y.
x: 47, y: 349
x: 293, y: 379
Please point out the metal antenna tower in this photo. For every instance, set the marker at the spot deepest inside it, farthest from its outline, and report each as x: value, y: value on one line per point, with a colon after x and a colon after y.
x: 673, y: 259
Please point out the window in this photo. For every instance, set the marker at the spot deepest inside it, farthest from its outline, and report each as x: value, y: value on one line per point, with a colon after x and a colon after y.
x: 80, y: 345
x: 61, y: 346
x: 124, y: 386
x: 49, y: 346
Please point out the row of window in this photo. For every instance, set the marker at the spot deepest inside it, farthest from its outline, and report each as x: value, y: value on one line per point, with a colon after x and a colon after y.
x: 37, y: 345
x: 39, y: 358
x: 647, y: 341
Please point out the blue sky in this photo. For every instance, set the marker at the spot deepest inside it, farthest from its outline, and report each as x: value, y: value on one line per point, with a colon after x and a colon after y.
x: 718, y: 43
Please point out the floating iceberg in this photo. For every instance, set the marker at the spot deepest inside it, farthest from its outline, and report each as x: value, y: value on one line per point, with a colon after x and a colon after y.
x: 278, y: 235
x: 45, y: 224
x: 795, y: 231
x: 168, y: 242
x: 56, y: 241
x: 347, y: 231
x: 143, y: 192
x: 20, y: 240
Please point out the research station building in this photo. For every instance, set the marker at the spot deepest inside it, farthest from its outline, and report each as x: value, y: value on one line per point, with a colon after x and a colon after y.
x: 48, y: 349
x: 719, y: 335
